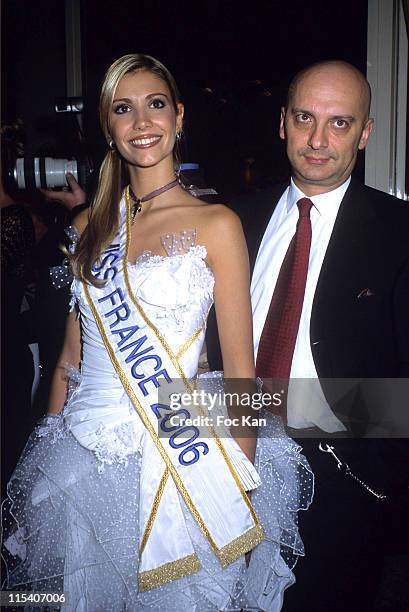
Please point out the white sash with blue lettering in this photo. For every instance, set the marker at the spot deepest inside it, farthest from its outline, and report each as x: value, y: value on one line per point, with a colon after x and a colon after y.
x: 196, y: 468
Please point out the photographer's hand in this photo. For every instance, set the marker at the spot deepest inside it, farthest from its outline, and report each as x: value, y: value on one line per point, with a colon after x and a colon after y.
x: 69, y: 196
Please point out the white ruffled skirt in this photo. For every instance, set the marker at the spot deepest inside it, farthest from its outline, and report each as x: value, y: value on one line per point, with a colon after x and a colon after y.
x: 71, y: 523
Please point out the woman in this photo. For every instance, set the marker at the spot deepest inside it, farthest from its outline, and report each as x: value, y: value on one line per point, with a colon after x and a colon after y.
x: 117, y: 504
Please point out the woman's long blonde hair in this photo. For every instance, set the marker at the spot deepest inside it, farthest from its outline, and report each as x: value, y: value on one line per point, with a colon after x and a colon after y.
x: 113, y: 175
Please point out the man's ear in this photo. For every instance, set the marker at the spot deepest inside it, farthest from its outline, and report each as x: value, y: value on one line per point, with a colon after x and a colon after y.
x: 282, y: 123
x: 368, y: 127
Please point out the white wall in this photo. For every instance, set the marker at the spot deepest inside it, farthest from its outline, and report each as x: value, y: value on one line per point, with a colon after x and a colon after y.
x: 387, y: 70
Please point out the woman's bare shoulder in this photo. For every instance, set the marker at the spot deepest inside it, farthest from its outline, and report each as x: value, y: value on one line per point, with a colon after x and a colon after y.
x: 219, y: 229
x: 216, y: 219
x: 205, y: 217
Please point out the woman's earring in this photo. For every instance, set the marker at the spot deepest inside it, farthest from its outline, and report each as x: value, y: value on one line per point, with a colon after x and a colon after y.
x: 112, y: 145
x: 178, y: 136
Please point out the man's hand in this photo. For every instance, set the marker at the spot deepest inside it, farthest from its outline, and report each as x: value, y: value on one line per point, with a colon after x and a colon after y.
x: 70, y: 196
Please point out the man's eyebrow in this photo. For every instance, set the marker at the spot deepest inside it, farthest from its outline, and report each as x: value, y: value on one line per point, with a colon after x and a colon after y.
x: 301, y: 110
x: 350, y: 118
x: 345, y: 117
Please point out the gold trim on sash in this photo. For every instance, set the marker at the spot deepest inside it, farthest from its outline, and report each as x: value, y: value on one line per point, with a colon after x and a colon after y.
x: 145, y: 420
x: 175, y: 362
x: 234, y: 549
x: 154, y: 510
x: 138, y: 307
x: 190, y: 564
x: 153, y: 578
x: 189, y: 342
x: 172, y: 356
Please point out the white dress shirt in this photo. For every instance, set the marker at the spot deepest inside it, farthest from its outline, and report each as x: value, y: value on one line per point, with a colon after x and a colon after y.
x: 306, y: 404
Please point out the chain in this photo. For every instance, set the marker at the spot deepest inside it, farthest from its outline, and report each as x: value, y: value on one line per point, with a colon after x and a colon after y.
x: 344, y: 467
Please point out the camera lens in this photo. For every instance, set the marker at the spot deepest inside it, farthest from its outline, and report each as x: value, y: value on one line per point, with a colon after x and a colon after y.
x: 44, y: 172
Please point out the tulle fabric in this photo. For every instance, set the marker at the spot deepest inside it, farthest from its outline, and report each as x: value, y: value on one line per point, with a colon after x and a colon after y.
x: 71, y: 518
x: 71, y: 524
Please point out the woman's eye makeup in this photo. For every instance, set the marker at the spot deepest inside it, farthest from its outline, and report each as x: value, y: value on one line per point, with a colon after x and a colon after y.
x: 157, y: 103
x: 120, y: 109
x: 154, y: 103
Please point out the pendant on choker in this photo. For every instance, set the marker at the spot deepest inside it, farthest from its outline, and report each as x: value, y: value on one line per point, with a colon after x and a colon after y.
x: 137, y: 202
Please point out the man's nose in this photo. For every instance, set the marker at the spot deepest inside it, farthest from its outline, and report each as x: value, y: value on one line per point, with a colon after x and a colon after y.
x: 318, y: 137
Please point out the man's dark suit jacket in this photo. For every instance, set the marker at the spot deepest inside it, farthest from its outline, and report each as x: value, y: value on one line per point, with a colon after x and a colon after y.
x: 359, y: 329
x: 360, y: 315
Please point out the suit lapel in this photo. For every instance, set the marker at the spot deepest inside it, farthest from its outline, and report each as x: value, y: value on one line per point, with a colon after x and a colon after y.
x: 257, y: 216
x: 348, y: 238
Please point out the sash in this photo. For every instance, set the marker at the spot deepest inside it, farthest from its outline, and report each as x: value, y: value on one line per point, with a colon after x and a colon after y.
x: 191, y: 465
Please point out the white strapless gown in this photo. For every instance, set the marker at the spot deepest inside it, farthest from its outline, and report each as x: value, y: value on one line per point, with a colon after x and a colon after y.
x: 71, y: 520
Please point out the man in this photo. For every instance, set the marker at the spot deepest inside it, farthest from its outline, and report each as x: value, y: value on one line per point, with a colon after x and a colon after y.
x: 350, y: 322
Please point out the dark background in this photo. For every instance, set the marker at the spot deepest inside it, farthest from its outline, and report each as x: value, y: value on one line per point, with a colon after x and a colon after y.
x: 232, y: 61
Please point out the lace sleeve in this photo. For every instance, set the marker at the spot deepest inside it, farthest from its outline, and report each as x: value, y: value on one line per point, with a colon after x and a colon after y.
x: 61, y: 276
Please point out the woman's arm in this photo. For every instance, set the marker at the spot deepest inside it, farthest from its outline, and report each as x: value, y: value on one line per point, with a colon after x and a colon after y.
x: 228, y: 259
x: 71, y: 351
x: 70, y: 354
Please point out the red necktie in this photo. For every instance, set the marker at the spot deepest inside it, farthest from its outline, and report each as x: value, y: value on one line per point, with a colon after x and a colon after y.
x: 277, y: 342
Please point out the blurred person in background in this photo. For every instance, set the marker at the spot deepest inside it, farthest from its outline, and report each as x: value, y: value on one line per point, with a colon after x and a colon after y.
x: 17, y: 268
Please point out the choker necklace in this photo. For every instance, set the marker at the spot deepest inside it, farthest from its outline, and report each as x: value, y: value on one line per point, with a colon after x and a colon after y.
x: 137, y: 202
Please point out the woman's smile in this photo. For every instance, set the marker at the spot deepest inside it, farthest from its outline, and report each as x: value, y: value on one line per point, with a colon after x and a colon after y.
x: 145, y: 141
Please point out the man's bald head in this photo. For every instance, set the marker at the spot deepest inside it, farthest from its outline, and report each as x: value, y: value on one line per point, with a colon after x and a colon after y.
x: 325, y: 124
x: 335, y: 69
